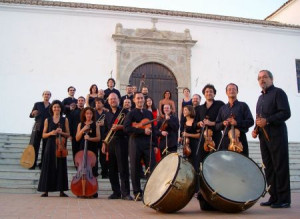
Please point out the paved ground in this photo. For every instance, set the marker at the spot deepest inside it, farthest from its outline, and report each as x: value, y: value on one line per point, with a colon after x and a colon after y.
x: 33, y: 206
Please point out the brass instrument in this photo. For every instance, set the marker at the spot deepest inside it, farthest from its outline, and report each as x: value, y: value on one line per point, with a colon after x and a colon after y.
x: 101, y: 118
x: 118, y: 121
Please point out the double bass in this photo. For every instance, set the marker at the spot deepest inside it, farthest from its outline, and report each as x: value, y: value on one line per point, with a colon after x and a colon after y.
x: 84, y: 184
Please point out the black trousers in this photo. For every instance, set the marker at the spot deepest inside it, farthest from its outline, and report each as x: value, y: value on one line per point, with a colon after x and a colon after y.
x: 103, y: 162
x: 139, y: 147
x: 243, y: 139
x: 118, y: 163
x: 195, y: 160
x: 36, y: 144
x: 275, y: 156
x: 75, y: 147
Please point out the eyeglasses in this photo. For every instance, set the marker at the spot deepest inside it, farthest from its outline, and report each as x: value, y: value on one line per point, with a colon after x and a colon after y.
x: 262, y: 77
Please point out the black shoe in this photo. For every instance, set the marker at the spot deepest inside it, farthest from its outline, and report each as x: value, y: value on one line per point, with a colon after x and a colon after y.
x: 266, y: 204
x: 104, y: 176
x: 114, y: 196
x: 40, y: 166
x: 127, y: 197
x: 280, y: 205
x: 45, y: 194
x: 62, y: 194
x: 95, y: 195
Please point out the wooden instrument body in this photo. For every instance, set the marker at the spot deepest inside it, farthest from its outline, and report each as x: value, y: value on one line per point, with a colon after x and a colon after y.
x: 84, y: 184
x: 235, y: 144
x: 28, y: 157
x: 143, y: 124
x: 209, y: 144
x: 186, y: 147
x: 61, y: 147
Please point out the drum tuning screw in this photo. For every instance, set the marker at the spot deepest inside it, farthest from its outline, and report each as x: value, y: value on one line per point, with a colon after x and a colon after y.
x: 213, y: 195
x: 147, y: 171
x: 138, y: 195
x: 147, y: 205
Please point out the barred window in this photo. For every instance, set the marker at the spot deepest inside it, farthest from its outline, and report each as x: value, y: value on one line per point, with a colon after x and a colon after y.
x: 298, y: 73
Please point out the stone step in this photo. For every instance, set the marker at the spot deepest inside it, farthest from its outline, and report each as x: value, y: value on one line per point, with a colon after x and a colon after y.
x: 32, y: 189
x: 16, y: 162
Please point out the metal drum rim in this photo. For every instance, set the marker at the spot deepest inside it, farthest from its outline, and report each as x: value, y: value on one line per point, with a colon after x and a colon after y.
x: 169, y: 188
x: 201, y: 173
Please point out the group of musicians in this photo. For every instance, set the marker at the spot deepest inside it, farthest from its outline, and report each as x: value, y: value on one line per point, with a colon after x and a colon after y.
x: 123, y: 127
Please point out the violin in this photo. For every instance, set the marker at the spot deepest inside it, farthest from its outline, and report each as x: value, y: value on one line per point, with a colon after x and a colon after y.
x: 163, y: 126
x: 61, y: 149
x: 144, y: 123
x: 209, y: 144
x: 235, y: 144
x: 186, y: 145
x: 256, y: 130
x: 84, y: 184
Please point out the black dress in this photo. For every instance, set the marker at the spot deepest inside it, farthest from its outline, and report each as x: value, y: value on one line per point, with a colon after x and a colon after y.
x: 54, y: 174
x: 92, y: 101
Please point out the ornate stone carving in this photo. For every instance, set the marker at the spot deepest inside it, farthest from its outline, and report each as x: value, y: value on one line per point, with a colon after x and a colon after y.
x: 138, y: 46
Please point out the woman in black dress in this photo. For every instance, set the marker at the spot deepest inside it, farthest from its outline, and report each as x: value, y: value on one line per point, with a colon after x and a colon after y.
x: 168, y: 130
x: 90, y: 98
x: 54, y: 175
x: 191, y: 132
x: 88, y: 130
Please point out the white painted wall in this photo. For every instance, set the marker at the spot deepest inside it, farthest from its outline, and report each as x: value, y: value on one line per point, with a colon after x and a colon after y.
x: 53, y: 48
x: 289, y: 14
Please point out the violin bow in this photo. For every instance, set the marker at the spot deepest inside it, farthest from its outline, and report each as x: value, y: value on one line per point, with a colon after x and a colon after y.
x: 222, y: 137
x: 166, y: 148
x: 200, y: 139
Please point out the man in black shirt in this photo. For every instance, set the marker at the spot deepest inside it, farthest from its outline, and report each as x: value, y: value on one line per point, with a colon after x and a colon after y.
x: 129, y: 95
x: 145, y: 92
x: 70, y: 102
x: 236, y: 114
x: 117, y: 150
x: 111, y: 83
x: 40, y: 112
x: 208, y: 113
x: 272, y: 111
x: 74, y: 120
x: 140, y: 142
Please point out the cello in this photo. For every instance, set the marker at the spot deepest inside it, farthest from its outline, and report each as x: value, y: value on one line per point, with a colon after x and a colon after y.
x: 84, y: 184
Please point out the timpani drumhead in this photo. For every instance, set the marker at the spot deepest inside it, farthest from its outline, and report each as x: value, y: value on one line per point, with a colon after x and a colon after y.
x: 157, y: 184
x: 233, y: 176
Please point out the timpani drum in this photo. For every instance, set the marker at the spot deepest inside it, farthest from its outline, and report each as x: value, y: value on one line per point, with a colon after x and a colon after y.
x: 171, y: 185
x: 231, y: 182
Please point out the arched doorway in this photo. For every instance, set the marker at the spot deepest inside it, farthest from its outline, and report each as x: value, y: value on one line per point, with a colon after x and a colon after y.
x: 158, y: 78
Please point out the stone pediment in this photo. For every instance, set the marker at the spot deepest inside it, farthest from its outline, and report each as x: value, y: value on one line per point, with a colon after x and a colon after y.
x: 153, y: 35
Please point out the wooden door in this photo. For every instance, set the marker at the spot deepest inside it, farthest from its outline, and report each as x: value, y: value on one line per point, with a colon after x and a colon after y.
x: 158, y: 79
